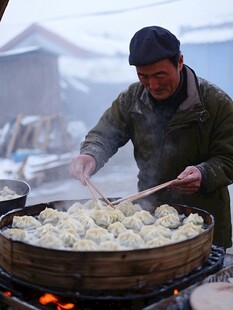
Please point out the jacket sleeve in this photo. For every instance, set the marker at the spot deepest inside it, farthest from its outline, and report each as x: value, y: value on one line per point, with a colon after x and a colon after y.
x: 217, y: 169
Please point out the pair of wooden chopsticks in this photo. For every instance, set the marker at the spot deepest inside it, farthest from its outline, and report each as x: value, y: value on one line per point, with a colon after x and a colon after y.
x: 92, y: 187
x: 144, y: 193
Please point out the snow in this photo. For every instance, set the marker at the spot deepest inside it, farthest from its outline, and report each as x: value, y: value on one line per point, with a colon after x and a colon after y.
x: 107, y: 70
x: 208, y: 35
x: 21, y: 50
x: 8, y: 169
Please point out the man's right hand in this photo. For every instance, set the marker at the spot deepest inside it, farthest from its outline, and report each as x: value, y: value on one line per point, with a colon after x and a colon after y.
x: 82, y: 167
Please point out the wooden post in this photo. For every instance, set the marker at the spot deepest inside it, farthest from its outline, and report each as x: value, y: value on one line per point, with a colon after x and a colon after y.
x: 11, y: 144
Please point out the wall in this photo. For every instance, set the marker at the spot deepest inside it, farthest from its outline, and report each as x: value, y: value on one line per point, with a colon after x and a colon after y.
x: 29, y: 84
x: 212, y: 61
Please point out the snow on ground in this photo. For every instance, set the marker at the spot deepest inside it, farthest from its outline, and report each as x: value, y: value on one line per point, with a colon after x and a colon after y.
x: 113, y: 182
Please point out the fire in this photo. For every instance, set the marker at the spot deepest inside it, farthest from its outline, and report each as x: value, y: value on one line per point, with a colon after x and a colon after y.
x: 175, y: 292
x: 8, y: 293
x: 50, y: 298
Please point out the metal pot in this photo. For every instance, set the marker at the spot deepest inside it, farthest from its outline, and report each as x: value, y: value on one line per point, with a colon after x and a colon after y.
x: 21, y: 188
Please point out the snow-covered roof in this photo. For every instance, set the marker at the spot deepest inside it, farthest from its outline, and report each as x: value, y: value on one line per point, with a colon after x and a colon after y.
x: 23, y: 50
x: 40, y: 36
x: 211, y: 33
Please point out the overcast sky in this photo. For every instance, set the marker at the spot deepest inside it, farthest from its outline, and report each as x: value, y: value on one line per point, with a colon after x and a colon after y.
x: 118, y: 19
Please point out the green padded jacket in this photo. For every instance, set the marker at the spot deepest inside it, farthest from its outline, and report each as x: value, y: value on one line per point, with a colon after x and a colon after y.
x: 200, y: 133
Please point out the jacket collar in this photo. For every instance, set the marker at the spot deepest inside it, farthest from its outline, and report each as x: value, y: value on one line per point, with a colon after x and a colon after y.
x: 193, y: 104
x: 193, y: 97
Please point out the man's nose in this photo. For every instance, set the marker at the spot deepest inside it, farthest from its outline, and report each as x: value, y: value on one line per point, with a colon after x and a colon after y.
x: 153, y: 83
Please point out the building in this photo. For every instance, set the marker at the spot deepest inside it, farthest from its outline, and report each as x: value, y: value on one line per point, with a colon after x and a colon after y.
x: 37, y: 80
x: 30, y: 83
x: 208, y: 49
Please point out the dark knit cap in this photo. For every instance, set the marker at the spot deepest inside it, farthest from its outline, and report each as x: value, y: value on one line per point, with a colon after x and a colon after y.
x: 151, y: 44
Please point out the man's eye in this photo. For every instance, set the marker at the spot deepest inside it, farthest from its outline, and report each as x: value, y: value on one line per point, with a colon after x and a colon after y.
x: 160, y: 76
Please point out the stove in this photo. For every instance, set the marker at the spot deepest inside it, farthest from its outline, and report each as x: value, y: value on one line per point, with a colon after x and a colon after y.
x: 17, y: 294
x: 181, y: 301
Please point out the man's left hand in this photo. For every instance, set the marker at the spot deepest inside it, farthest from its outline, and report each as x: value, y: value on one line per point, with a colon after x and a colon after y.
x: 189, y: 181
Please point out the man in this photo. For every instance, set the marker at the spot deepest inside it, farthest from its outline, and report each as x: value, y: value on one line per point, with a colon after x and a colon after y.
x: 181, y: 127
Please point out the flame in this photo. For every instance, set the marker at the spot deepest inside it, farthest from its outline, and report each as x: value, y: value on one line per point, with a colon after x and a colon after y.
x: 8, y: 293
x: 49, y: 298
x: 175, y: 292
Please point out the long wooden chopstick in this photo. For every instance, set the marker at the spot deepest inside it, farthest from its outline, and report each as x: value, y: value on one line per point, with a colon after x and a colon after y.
x: 92, y: 186
x: 92, y: 191
x: 144, y: 193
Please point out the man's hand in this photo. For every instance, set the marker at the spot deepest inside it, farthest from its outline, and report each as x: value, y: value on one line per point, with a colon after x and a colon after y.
x: 81, y: 167
x: 189, y: 181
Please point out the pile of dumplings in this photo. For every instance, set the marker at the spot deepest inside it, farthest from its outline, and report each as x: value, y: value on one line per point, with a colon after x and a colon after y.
x: 7, y: 194
x: 95, y: 226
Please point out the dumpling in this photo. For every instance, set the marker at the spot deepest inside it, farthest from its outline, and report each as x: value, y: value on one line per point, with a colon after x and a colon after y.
x: 50, y: 241
x: 116, y: 215
x: 25, y: 222
x: 165, y: 209
x: 85, y: 245
x: 105, y: 217
x: 110, y: 246
x: 128, y: 208
x: 146, y: 229
x: 130, y: 239
x: 92, y: 203
x: 101, y: 217
x: 76, y: 207
x: 194, y: 218
x: 171, y: 220
x: 15, y: 234
x: 46, y: 213
x: 116, y: 228
x: 7, y: 194
x: 84, y: 219
x: 160, y: 241
x: 132, y: 222
x: 98, y: 234
x: 186, y: 231
x: 71, y: 224
x: 190, y: 227
x: 145, y: 216
x: 178, y: 235
x: 39, y: 231
x: 89, y: 204
x: 69, y: 238
x: 157, y: 232
x: 49, y: 215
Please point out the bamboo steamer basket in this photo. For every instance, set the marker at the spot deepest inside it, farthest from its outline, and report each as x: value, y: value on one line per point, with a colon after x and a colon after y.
x: 100, y: 270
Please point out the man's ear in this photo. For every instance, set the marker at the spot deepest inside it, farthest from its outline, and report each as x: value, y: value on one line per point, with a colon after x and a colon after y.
x: 181, y: 62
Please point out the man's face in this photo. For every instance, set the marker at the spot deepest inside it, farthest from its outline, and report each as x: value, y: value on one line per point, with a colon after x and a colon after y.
x: 160, y: 78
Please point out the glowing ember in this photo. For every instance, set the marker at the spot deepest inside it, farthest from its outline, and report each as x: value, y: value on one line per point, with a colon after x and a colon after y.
x: 47, y: 298
x: 50, y: 298
x: 8, y: 293
x: 175, y: 292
